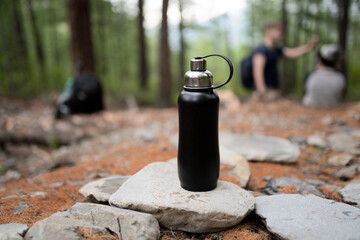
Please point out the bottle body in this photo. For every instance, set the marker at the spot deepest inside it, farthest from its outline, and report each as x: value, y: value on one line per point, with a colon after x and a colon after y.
x: 198, y: 150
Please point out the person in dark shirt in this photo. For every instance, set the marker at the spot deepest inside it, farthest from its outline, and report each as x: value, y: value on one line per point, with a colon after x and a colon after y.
x: 266, y: 56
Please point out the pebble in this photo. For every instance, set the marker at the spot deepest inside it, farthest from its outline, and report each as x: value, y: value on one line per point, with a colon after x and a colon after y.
x: 301, y: 141
x: 20, y: 207
x: 298, y: 217
x: 316, y: 140
x: 273, y: 186
x: 341, y: 159
x: 315, y: 182
x: 161, y: 195
x: 57, y: 184
x: 37, y: 194
x: 347, y: 172
x: 344, y: 142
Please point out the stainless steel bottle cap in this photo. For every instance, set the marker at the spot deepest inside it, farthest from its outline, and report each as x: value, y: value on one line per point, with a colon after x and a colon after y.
x: 198, y: 64
x: 198, y: 77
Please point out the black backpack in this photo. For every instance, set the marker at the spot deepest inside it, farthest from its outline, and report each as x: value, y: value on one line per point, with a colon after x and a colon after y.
x: 247, y: 79
x: 87, y: 95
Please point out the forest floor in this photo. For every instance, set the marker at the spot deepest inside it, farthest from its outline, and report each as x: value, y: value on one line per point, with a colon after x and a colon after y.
x: 45, y: 162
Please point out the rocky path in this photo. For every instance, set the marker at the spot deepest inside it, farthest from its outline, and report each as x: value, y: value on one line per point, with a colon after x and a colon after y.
x: 289, y: 151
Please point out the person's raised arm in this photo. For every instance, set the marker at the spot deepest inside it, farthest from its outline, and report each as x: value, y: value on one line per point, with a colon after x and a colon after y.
x: 259, y: 61
x: 301, y: 50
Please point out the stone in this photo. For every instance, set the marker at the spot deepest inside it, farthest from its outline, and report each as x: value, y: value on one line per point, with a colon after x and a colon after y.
x: 100, y: 190
x: 344, y: 142
x: 347, y: 172
x: 175, y: 208
x: 273, y: 186
x: 229, y: 101
x: 57, y: 184
x: 239, y: 166
x: 301, y: 141
x: 351, y: 193
x: 261, y: 148
x: 37, y: 194
x: 12, y: 231
x: 240, y: 169
x: 341, y: 159
x: 298, y: 217
x: 316, y: 140
x: 20, y: 207
x: 127, y: 224
x: 315, y: 182
x: 61, y: 228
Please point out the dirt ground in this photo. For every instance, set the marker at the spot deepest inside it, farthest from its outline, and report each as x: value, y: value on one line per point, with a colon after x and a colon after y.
x: 143, y: 137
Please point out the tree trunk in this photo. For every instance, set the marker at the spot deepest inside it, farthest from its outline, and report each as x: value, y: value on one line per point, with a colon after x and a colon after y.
x: 142, y: 47
x: 165, y: 78
x: 19, y: 33
x: 182, y: 45
x: 101, y: 26
x: 343, y: 20
x: 81, y: 42
x: 6, y: 55
x: 285, y: 76
x: 38, y: 44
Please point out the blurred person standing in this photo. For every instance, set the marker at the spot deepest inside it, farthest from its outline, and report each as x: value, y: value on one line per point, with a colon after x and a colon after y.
x: 259, y: 70
x: 325, y: 87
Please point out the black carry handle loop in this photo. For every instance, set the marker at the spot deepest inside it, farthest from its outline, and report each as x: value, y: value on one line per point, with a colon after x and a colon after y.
x: 230, y: 66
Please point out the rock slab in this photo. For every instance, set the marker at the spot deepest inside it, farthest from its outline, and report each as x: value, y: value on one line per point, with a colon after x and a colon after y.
x: 100, y: 190
x: 178, y: 209
x: 261, y: 148
x: 12, y: 231
x: 295, y: 216
x: 61, y: 228
x: 351, y: 193
x: 127, y: 224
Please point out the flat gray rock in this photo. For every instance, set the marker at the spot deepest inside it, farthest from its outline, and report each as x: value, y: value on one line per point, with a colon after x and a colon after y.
x: 261, y: 148
x: 238, y: 166
x: 12, y: 231
x: 351, y: 193
x: 127, y: 224
x: 344, y: 142
x: 156, y: 190
x: 100, y: 190
x: 294, y: 216
x: 61, y: 228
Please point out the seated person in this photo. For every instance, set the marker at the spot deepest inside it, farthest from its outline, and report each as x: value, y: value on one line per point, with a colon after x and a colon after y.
x: 325, y: 86
x: 82, y: 95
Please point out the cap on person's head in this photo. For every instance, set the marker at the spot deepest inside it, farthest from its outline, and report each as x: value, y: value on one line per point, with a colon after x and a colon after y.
x: 329, y: 54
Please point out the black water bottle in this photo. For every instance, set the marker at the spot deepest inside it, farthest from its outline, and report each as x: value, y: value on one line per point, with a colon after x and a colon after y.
x: 198, y: 150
